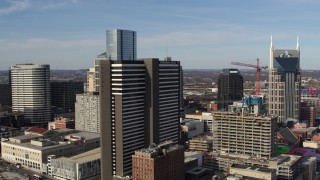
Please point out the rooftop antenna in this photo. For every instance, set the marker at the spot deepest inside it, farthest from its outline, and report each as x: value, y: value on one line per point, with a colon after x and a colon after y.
x: 167, y: 50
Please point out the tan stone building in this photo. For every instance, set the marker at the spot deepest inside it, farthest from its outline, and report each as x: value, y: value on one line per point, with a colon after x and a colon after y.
x: 32, y: 150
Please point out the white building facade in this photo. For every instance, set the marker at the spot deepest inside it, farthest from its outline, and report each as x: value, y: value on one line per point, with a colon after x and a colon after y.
x: 30, y: 85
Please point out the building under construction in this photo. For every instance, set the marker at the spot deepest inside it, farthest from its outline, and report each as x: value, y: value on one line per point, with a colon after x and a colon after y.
x: 203, y: 144
x: 244, y: 134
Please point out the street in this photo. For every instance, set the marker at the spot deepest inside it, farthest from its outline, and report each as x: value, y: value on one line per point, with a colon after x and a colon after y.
x: 6, y: 167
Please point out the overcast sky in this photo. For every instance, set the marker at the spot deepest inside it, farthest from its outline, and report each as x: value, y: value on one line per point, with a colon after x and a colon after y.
x: 202, y: 34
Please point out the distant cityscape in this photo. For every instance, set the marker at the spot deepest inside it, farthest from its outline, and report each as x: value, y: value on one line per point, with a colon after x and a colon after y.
x: 149, y: 119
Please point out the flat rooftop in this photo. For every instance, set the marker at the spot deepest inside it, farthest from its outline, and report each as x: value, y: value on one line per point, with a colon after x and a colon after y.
x: 286, y: 159
x: 197, y: 170
x: 27, y: 136
x: 281, y: 160
x: 302, y: 130
x: 253, y: 168
x: 56, y: 141
x: 195, y: 113
x: 202, y: 138
x: 7, y: 128
x: 83, y: 157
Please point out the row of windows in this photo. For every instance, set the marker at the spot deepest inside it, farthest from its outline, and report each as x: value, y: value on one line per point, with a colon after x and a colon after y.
x: 28, y: 163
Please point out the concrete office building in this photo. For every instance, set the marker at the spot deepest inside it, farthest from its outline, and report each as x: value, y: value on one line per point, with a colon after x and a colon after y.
x: 191, y: 128
x: 87, y: 115
x: 82, y: 166
x: 121, y: 44
x: 32, y: 150
x: 206, y: 117
x: 230, y: 87
x: 254, y: 172
x: 91, y: 80
x: 250, y: 135
x: 284, y: 83
x: 286, y: 166
x: 139, y: 102
x: 63, y: 94
x: 61, y: 122
x: 96, y: 84
x: 165, y: 161
x: 30, y: 84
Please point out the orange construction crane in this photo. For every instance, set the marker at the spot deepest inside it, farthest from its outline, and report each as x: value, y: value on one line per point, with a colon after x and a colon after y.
x: 258, y: 69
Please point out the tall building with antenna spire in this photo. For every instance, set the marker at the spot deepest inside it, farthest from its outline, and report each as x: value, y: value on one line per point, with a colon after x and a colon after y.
x: 284, y: 83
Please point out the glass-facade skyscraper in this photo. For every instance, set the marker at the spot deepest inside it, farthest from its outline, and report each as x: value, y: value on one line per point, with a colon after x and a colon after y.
x: 284, y: 83
x: 121, y: 44
x: 230, y: 88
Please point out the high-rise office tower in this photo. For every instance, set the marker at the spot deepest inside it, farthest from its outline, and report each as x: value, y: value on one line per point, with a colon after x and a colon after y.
x: 30, y: 85
x: 162, y: 100
x: 139, y: 105
x: 230, y: 87
x: 122, y: 98
x: 121, y: 44
x: 284, y: 83
x: 63, y: 94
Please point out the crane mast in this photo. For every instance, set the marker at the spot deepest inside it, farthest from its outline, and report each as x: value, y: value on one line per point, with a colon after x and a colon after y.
x: 258, y: 70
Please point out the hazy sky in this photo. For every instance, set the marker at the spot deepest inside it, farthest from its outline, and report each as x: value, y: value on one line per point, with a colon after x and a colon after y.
x: 207, y: 34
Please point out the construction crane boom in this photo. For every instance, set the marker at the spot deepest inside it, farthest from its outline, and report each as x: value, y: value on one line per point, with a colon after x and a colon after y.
x: 258, y: 69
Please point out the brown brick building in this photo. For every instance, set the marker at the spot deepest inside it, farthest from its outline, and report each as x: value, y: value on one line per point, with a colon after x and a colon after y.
x: 61, y: 122
x: 165, y: 161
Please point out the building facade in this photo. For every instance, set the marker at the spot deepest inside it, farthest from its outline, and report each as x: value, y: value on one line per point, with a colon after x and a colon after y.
x: 307, y: 114
x: 162, y: 102
x: 63, y: 94
x: 206, y: 117
x: 32, y: 150
x: 82, y: 166
x: 158, y: 162
x: 121, y: 44
x: 139, y: 105
x: 249, y: 135
x: 61, y: 122
x: 284, y: 83
x: 5, y: 94
x: 91, y: 80
x: 122, y: 98
x: 230, y: 87
x: 87, y: 115
x: 30, y: 84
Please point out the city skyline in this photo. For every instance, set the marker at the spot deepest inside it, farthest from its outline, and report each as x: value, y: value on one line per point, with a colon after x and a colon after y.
x: 68, y: 34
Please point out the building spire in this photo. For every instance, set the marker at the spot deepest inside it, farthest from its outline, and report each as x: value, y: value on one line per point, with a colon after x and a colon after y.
x: 271, y: 53
x: 298, y: 47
